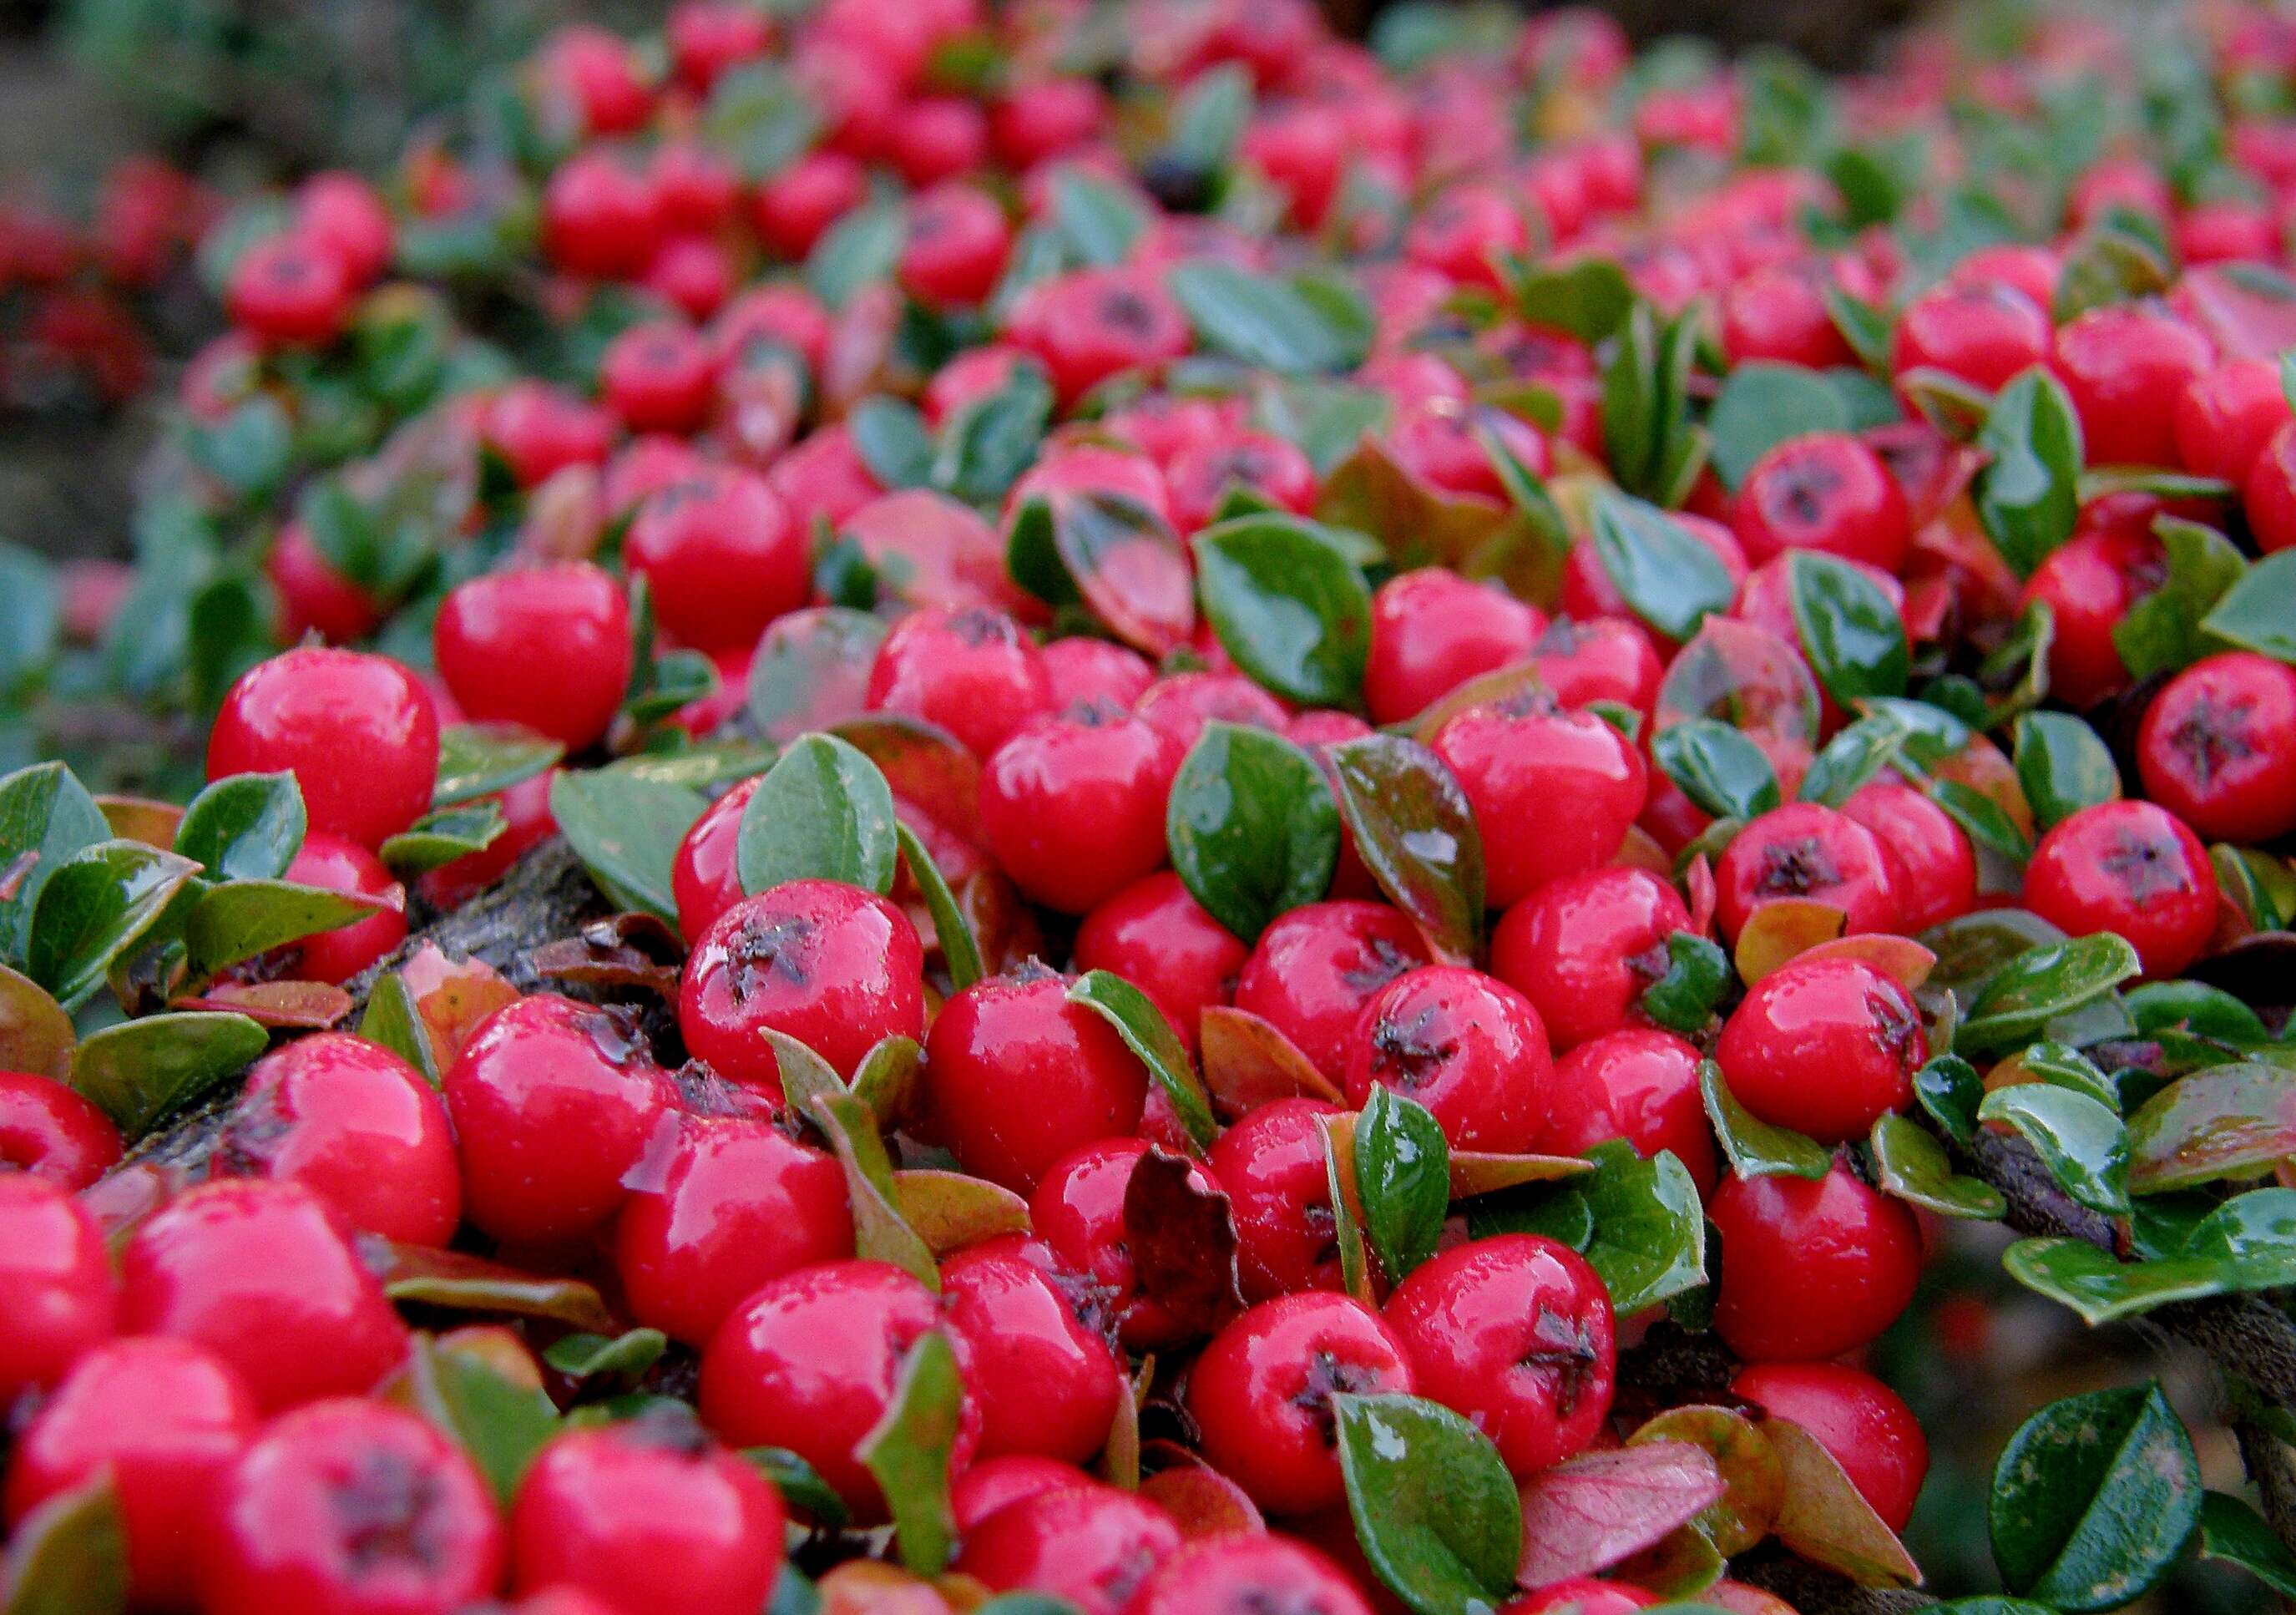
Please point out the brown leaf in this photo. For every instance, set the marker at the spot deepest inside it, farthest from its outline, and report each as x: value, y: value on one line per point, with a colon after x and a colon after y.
x: 461, y: 1283
x: 1182, y: 1238
x: 1203, y: 1502
x: 1004, y: 926
x: 950, y: 1211
x: 452, y: 997
x: 1481, y: 1172
x: 621, y: 950
x: 1502, y: 684
x: 1900, y: 958
x: 1590, y: 1513
x: 36, y: 1035
x: 1782, y: 930
x: 1825, y: 1518
x: 139, y: 818
x: 1249, y: 1062
x: 1753, y: 1477
x: 305, y: 1005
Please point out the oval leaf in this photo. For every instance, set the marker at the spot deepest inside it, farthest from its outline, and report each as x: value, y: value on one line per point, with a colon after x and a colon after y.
x: 2028, y: 494
x: 2042, y: 983
x: 2062, y: 766
x: 626, y: 830
x: 2083, y: 1145
x: 1914, y: 1166
x: 1417, y: 836
x: 247, y: 827
x: 1288, y: 605
x: 1147, y: 1034
x: 1435, y: 1510
x: 2229, y: 1121
x: 1851, y: 630
x: 822, y: 812
x: 1252, y: 827
x: 1668, y: 578
x: 139, y: 1072
x: 1402, y: 1179
x: 2093, y: 1499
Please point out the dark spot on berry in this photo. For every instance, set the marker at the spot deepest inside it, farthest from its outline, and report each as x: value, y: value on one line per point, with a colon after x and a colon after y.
x: 2213, y: 737
x: 1795, y: 869
x: 1561, y: 1350
x: 1379, y: 963
x: 1797, y: 498
x: 387, y: 1507
x: 1328, y: 1377
x: 1895, y: 1024
x: 2144, y: 868
x: 762, y: 947
x: 980, y: 627
x: 1414, y: 1052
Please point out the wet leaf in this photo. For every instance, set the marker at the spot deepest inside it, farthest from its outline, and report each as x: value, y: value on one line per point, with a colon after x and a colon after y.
x: 298, y: 1005
x: 1182, y: 1241
x: 36, y: 1035
x: 93, y: 908
x: 1293, y: 327
x: 46, y: 817
x: 2093, y: 1499
x: 1756, y: 1147
x: 1588, y: 1513
x: 626, y: 830
x: 1975, y: 948
x: 1753, y: 1474
x: 442, y: 835
x: 2230, y: 1121
x: 2029, y: 494
x: 1853, y: 759
x: 1248, y: 1062
x: 2166, y: 629
x: 140, y: 1072
x: 247, y: 827
x: 1435, y: 1510
x: 456, y: 1282
x: 2062, y: 766
x: 1668, y: 578
x: 500, y: 1422
x: 886, y: 1080
x: 1290, y: 607
x: 2101, y: 1290
x: 1346, y: 1207
x: 1649, y: 1243
x: 69, y: 1555
x: 1697, y: 976
x: 910, y: 1448
x: 1252, y: 827
x: 2083, y: 1145
x: 1826, y: 1520
x: 479, y: 759
x: 1403, y: 1180
x: 241, y: 919
x: 801, y: 1486
x: 1850, y: 629
x: 989, y: 443
x: 950, y: 1211
x: 588, y: 1357
x: 1417, y: 834
x: 805, y: 1076
x: 1118, y: 556
x: 1743, y: 677
x: 2043, y: 983
x: 1717, y: 768
x: 879, y: 1232
x: 1914, y: 1166
x: 822, y: 812
x: 1147, y: 1034
x: 812, y: 671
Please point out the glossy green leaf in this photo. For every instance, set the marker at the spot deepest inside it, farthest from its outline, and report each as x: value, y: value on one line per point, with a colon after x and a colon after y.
x: 991, y: 441
x: 1912, y: 1166
x: 1984, y: 821
x: 2082, y: 1143
x: 93, y: 907
x: 479, y: 759
x: 822, y: 812
x: 2252, y: 1237
x: 910, y: 1448
x: 1147, y: 1034
x: 141, y: 1073
x: 2166, y: 629
x: 1403, y: 1177
x: 2038, y: 986
x: 2062, y: 766
x: 2233, y: 1532
x: 1265, y: 321
x: 879, y: 1232
x: 500, y: 1422
x: 1758, y: 1148
x: 2229, y: 1121
x: 441, y: 836
x: 68, y: 1554
x: 1252, y: 827
x: 801, y: 1486
x: 1851, y: 630
x: 1648, y: 1239
x: 1852, y: 760
x: 1760, y: 406
x: 1950, y: 1090
x: 2076, y: 1273
x: 1435, y: 1511
x: 246, y: 827
x: 2028, y: 495
x: 1975, y: 948
x: 626, y: 830
x: 2093, y: 1499
x: 960, y: 949
x: 47, y: 815
x: 1292, y: 611
x: 1717, y: 767
x: 1668, y: 578
x: 243, y: 918
x: 581, y: 1356
x: 812, y: 670
x: 2259, y: 612
x: 1697, y: 976
x: 1417, y: 834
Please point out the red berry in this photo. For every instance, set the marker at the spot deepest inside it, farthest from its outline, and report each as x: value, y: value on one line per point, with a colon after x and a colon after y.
x: 1976, y: 330
x: 1805, y: 850
x: 1467, y: 1047
x: 971, y: 672
x: 809, y: 1362
x: 1864, y: 1425
x: 164, y: 1417
x: 1156, y: 936
x: 1824, y: 491
x: 2089, y: 582
x: 1091, y: 1544
x: 291, y: 290
x: 2121, y: 364
x: 740, y: 1203
x: 55, y: 1286
x: 721, y: 557
x: 1431, y: 631
x: 1045, y: 1383
x: 1825, y: 1047
x: 706, y: 38
x: 314, y: 597
x: 1077, y: 1209
x: 599, y: 72
x: 1583, y: 1596
x: 1638, y: 1085
x: 835, y: 967
x: 1554, y: 792
x: 1273, y: 1165
x: 2218, y: 747
x: 2269, y: 494
x: 705, y: 877
x: 1202, y: 475
x: 1515, y: 1332
x: 1932, y: 867
x: 342, y: 213
x: 350, y: 1508
x: 548, y: 647
x: 794, y: 210
x: 1315, y: 968
x: 1096, y: 323
x: 554, y: 1103
x: 1261, y: 1394
x: 659, y: 376
x: 1184, y: 705
x: 1017, y: 1077
x: 357, y: 1125
x: 49, y: 1132
x: 539, y: 431
x: 358, y: 733
x: 1236, y: 1574
x: 264, y: 1275
x: 2130, y: 867
x: 2223, y: 418
x: 1584, y: 947
x: 955, y: 249
x: 1779, y: 315
x: 334, y: 862
x: 991, y: 1484
x: 1810, y: 1270
x: 1601, y: 659
x: 609, y: 1510
x: 1072, y: 805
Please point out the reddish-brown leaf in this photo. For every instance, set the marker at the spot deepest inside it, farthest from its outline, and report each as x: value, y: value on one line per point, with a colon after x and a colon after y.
x: 1183, y: 1242
x: 1590, y: 1513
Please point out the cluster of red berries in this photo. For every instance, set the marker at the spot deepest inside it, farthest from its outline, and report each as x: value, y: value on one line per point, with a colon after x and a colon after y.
x: 1687, y: 529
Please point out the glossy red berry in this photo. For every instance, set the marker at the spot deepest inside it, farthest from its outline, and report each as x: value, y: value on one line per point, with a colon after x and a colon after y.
x: 1584, y: 948
x: 1600, y: 659
x: 1204, y: 475
x: 2122, y: 365
x: 358, y: 732
x: 971, y: 672
x: 600, y: 217
x: 2269, y: 494
x: 1156, y: 936
x: 1976, y: 331
x: 1091, y: 1544
x: 1779, y: 315
x: 2218, y: 747
x: 1431, y: 630
x: 290, y: 291
x: 1554, y: 792
x: 554, y: 1103
x: 548, y: 647
x: 721, y: 556
x: 1261, y: 1394
x: 1810, y: 1269
x: 264, y: 1275
x: 1933, y: 866
x: 56, y: 1288
x: 1516, y: 1333
x: 538, y: 431
x: 1235, y: 1573
x: 1096, y: 323
x: 809, y: 1362
x: 991, y: 1483
x: 1077, y: 1209
x: 1824, y: 1046
x: 1017, y: 1077
x: 793, y: 210
x: 1467, y: 1047
x: 956, y: 247
x: 314, y: 596
x: 1824, y: 491
x: 337, y: 863
x: 740, y: 1203
x: 164, y: 1417
x: 1184, y: 705
x: 1638, y: 1085
x: 1865, y: 1425
x: 1315, y: 968
x: 1583, y: 1596
x: 49, y: 1132
x: 350, y: 1508
x: 2089, y: 582
x: 607, y: 1509
x: 1273, y: 1165
x: 835, y: 967
x: 658, y: 375
x: 1043, y: 1378
x: 1072, y: 805
x: 705, y: 877
x: 2129, y: 867
x: 1805, y: 850
x: 356, y: 1124
x: 2223, y: 419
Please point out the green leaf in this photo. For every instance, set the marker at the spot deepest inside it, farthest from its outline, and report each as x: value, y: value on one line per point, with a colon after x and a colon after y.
x: 1950, y: 1090
x: 441, y: 836
x: 1147, y: 1034
x: 479, y: 759
x: 2229, y: 1121
x: 2166, y: 630
x: 2093, y: 1497
x: 1403, y: 1177
x: 1757, y: 1148
x: 2042, y: 983
x: 32, y: 607
x: 760, y: 118
x: 500, y: 1422
x: 801, y: 1486
x: 1589, y: 299
x: 859, y: 250
x: 2083, y: 1146
x: 243, y: 918
x: 1649, y: 1242
x: 1669, y: 579
x: 1209, y: 118
x: 93, y: 908
x: 1253, y: 830
x: 812, y: 670
x: 626, y: 830
x: 2252, y: 1237
x: 1717, y: 767
x: 2111, y: 263
x: 1417, y: 834
x: 1851, y: 630
x: 1853, y: 759
x: 1760, y: 406
x: 2062, y: 766
x: 1270, y: 322
x: 1912, y: 1166
x: 247, y: 827
x: 1867, y: 329
x: 1325, y: 420
x: 1098, y: 223
x: 889, y: 436
x: 69, y: 1555
x: 1435, y: 1510
x: 910, y: 1448
x: 2232, y: 1531
x: 960, y: 949
x: 1984, y: 821
x: 822, y: 812
x: 1697, y: 976
x: 879, y: 1232
x: 47, y: 815
x: 2259, y: 612
x: 1288, y: 605
x: 1653, y: 448
x: 141, y: 1073
x: 587, y: 1357
x: 2028, y: 495
x: 2077, y: 1275
x: 992, y: 439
